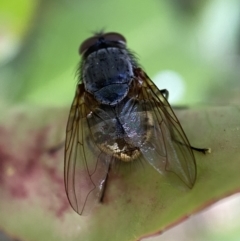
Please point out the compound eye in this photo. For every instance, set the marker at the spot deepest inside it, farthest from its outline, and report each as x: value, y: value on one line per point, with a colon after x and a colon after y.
x: 116, y: 37
x: 108, y: 37
x: 87, y: 44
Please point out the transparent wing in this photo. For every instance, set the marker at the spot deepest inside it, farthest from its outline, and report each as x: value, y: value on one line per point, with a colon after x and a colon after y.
x: 85, y: 166
x: 168, y: 149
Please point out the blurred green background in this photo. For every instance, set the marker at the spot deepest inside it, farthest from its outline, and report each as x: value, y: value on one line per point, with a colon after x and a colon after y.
x: 190, y: 47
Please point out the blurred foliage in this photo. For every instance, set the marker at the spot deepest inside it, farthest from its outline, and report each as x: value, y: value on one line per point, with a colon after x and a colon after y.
x: 164, y: 35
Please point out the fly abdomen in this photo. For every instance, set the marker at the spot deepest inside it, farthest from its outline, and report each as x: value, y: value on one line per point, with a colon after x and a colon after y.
x: 122, y: 130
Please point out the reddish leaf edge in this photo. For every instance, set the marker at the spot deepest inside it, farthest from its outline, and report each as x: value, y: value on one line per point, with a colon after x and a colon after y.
x: 187, y: 216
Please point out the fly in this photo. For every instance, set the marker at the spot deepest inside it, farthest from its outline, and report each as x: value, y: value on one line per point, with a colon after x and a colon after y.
x: 119, y: 115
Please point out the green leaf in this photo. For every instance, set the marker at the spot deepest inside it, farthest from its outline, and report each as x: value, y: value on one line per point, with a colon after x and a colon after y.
x: 138, y: 202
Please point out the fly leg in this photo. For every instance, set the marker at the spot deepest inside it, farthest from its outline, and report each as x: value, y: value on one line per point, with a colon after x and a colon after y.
x: 203, y: 150
x: 53, y: 150
x: 165, y: 93
x: 105, y: 185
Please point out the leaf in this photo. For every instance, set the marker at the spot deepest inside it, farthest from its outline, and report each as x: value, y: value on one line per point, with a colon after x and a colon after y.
x: 137, y: 204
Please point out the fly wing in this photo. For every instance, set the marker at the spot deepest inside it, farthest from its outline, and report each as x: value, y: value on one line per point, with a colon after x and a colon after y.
x: 168, y: 149
x: 85, y: 166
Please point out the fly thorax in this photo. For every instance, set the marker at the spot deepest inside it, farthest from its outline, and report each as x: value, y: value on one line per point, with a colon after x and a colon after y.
x: 107, y: 75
